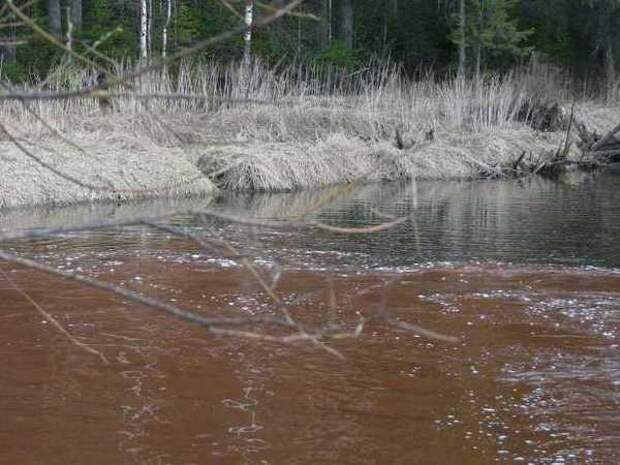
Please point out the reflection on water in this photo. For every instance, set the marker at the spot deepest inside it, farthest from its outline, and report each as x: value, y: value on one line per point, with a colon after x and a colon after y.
x: 573, y: 221
x: 524, y: 273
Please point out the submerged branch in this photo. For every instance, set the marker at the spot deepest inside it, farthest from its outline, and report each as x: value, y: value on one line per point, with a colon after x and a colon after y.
x: 208, y: 243
x: 144, y: 300
x: 362, y: 230
x: 424, y: 332
x: 53, y: 321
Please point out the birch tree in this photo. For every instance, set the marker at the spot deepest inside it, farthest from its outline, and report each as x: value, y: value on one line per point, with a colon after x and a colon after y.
x: 143, y: 34
x: 247, y: 36
x: 164, y: 32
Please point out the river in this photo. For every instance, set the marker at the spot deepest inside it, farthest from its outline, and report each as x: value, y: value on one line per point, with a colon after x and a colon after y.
x: 524, y: 274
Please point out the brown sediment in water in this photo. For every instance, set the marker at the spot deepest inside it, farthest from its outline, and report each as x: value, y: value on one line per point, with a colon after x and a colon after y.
x: 534, y: 378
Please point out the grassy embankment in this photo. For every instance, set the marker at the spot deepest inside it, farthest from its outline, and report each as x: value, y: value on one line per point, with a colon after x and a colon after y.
x: 275, y: 132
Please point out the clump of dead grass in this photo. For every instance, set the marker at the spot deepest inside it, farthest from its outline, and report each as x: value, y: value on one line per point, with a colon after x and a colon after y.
x: 303, y: 127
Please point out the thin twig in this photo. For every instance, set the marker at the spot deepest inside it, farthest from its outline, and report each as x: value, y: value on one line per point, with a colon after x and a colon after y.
x: 269, y: 290
x: 230, y: 8
x: 147, y: 301
x: 364, y: 230
x: 158, y: 64
x: 419, y: 330
x: 53, y: 320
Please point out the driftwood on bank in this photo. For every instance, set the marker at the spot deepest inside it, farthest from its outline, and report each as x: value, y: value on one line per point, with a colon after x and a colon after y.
x: 595, y: 150
x: 606, y: 148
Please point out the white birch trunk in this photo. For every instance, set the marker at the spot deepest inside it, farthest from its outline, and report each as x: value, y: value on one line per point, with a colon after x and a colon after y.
x: 69, y: 41
x: 149, y: 28
x: 164, y: 32
x: 143, y: 30
x: 247, y: 36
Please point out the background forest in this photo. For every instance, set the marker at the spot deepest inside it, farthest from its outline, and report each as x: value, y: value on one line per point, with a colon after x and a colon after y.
x: 468, y: 36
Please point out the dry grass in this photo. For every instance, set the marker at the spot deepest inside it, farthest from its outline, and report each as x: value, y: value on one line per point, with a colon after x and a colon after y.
x: 102, y: 174
x: 302, y: 128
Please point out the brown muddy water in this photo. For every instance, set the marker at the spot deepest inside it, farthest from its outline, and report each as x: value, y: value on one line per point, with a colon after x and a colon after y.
x: 526, y: 275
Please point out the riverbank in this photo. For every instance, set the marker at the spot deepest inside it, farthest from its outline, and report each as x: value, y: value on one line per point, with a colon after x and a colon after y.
x: 49, y: 173
x: 275, y: 133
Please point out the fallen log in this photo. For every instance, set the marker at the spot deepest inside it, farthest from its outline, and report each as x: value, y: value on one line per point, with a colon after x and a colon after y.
x: 596, y: 148
x: 608, y: 139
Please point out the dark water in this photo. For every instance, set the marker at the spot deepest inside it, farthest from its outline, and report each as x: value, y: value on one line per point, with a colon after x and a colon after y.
x: 575, y: 221
x: 525, y: 274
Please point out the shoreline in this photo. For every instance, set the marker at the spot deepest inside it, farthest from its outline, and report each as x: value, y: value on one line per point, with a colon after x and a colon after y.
x: 65, y: 176
x: 83, y: 156
x: 337, y: 160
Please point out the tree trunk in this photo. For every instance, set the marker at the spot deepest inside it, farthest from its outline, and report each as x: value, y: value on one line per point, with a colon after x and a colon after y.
x: 479, y: 42
x: 54, y: 17
x: 462, y: 54
x: 164, y: 32
x: 478, y: 63
x: 149, y: 29
x: 76, y: 14
x: 247, y: 36
x: 299, y: 37
x: 330, y: 21
x: 143, y: 30
x: 8, y: 51
x: 610, y: 71
x: 346, y: 22
x: 389, y: 17
x: 322, y: 31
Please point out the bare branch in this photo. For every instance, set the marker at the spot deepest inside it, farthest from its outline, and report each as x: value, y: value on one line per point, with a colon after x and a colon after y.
x: 147, y: 301
x: 53, y: 320
x: 159, y: 64
x: 230, y: 8
x: 47, y: 36
x: 365, y: 230
x: 419, y: 330
x: 269, y: 290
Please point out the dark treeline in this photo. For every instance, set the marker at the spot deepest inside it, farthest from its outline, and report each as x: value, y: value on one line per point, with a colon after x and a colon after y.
x: 466, y: 36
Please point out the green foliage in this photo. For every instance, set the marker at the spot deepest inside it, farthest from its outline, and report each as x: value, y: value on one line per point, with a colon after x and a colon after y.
x: 14, y: 72
x: 496, y: 28
x: 337, y: 54
x: 110, y: 27
x: 188, y: 25
x: 549, y: 23
x: 493, y: 29
x: 415, y: 33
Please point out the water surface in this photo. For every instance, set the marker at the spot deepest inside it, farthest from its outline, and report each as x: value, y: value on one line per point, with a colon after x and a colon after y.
x: 525, y: 274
